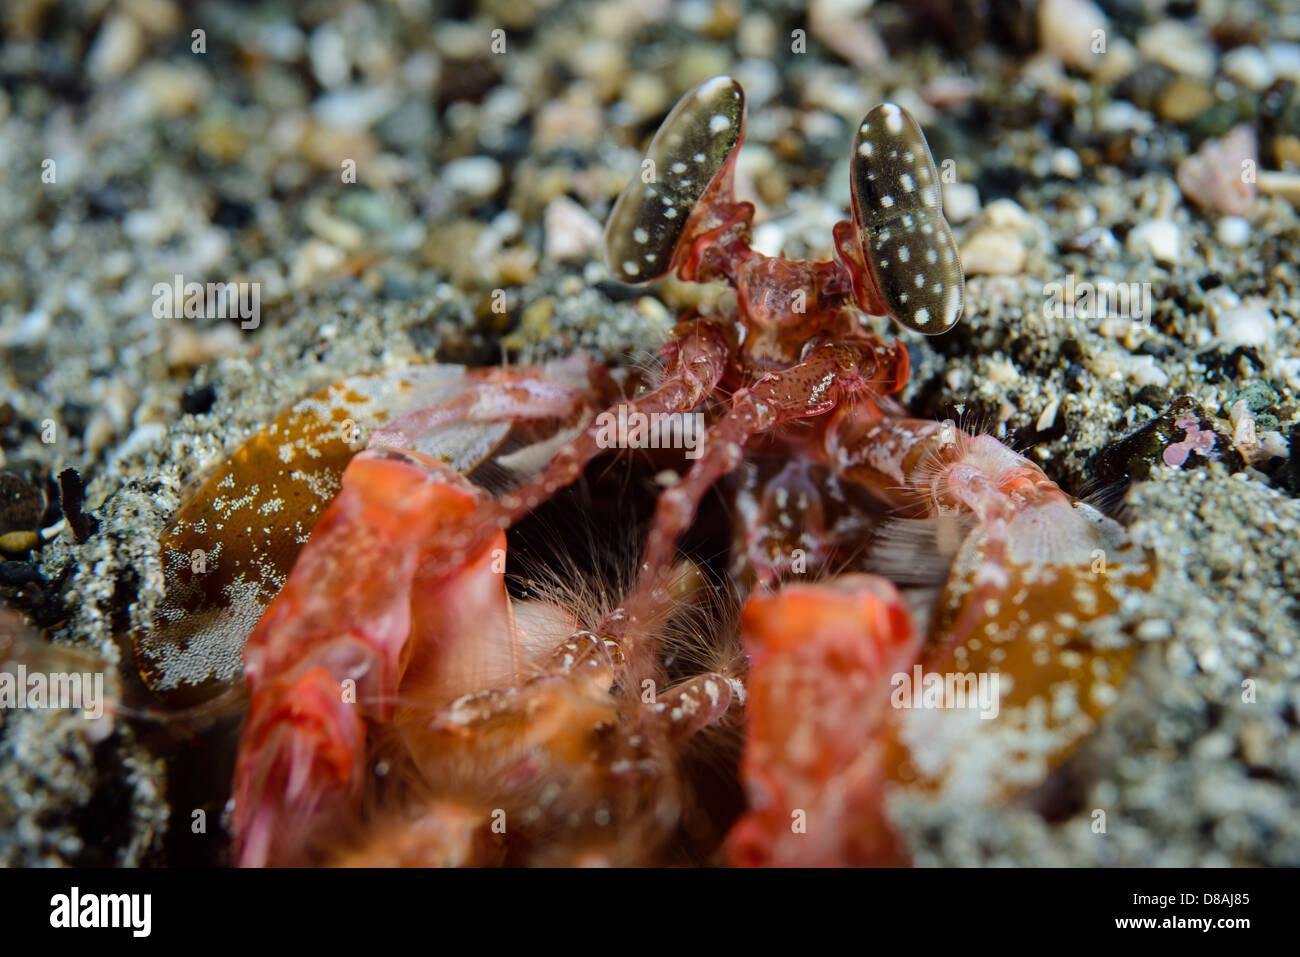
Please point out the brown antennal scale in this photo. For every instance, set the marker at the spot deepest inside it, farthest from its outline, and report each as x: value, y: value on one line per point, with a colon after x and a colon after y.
x: 690, y: 149
x: 898, y: 210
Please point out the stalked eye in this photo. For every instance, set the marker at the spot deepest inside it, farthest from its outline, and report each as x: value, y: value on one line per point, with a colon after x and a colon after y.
x: 898, y: 211
x: 689, y: 150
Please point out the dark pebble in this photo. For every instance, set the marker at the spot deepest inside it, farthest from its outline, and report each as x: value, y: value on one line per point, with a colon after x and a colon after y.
x: 74, y: 416
x: 198, y: 399
x: 1153, y: 397
x: 1134, y: 454
x: 22, y: 502
x: 71, y: 499
x: 1223, y: 366
x: 107, y: 202
x: 232, y: 214
x: 18, y: 573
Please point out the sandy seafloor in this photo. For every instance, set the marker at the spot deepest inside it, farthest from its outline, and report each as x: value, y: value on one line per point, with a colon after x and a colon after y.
x: 225, y: 165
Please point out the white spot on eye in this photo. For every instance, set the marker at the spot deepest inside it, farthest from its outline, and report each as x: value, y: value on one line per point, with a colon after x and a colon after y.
x: 931, y: 256
x: 908, y: 221
x: 928, y: 228
x: 649, y: 257
x: 884, y: 236
x: 866, y: 149
x: 698, y: 157
x: 927, y: 195
x: 947, y: 255
x: 884, y: 264
x: 938, y: 287
x: 670, y: 213
x: 687, y: 182
x: 640, y: 235
x: 903, y: 297
x: 893, y: 118
x: 910, y: 156
x: 871, y: 177
x: 718, y: 123
x: 893, y: 154
x: 904, y: 254
x: 952, y: 305
x: 922, y: 316
x: 864, y: 128
x: 920, y: 280
x: 907, y: 182
x: 629, y: 267
x: 887, y: 201
x: 679, y: 167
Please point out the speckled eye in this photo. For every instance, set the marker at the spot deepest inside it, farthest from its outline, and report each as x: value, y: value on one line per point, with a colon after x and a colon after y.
x: 898, y: 211
x: 691, y: 147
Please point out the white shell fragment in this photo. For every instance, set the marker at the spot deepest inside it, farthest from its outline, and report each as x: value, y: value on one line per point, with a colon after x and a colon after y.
x: 898, y: 210
x: 691, y: 147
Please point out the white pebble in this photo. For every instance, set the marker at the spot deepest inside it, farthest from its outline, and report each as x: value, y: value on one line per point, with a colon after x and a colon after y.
x: 571, y: 231
x: 116, y: 49
x: 1008, y: 214
x: 1274, y: 444
x: 1178, y: 46
x: 1280, y: 183
x: 30, y: 330
x: 475, y: 176
x: 1159, y: 238
x: 1066, y: 163
x: 1120, y: 116
x: 1233, y: 231
x: 354, y: 109
x: 768, y: 239
x: 993, y: 252
x: 1001, y: 371
x: 1142, y: 370
x: 1249, y: 67
x: 142, y: 439
x: 1246, y: 325
x: 329, y: 57
x: 1284, y: 58
x: 1048, y: 418
x: 1066, y: 27
x: 961, y: 201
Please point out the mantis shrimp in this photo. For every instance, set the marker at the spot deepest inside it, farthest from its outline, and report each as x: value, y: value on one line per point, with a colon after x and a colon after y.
x: 406, y: 708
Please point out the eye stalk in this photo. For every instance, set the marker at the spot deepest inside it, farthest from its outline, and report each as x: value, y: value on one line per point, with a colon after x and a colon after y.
x: 897, y: 257
x: 691, y: 150
x: 906, y: 243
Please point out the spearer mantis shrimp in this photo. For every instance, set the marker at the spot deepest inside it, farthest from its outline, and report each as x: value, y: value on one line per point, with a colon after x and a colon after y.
x: 407, y: 708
